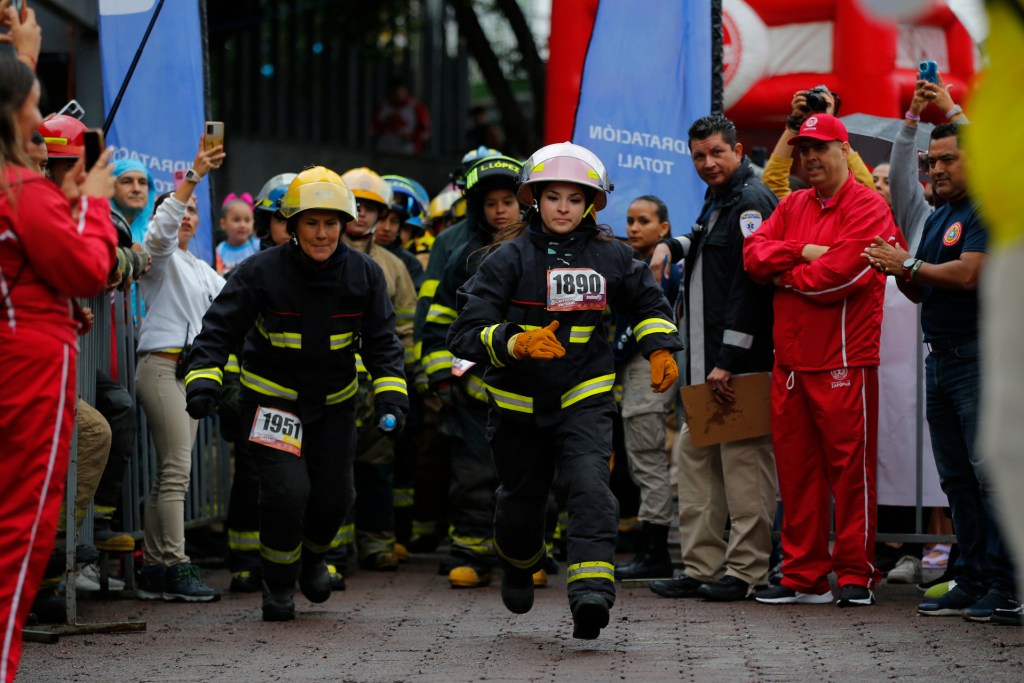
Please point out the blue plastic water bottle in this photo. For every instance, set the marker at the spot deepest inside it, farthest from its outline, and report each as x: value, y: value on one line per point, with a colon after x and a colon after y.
x: 387, y: 423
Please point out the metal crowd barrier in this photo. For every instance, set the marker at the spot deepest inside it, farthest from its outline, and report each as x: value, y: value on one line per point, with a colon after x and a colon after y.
x: 113, y: 336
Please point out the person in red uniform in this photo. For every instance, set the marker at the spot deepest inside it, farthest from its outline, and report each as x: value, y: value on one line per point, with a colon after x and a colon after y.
x: 54, y: 245
x: 828, y: 318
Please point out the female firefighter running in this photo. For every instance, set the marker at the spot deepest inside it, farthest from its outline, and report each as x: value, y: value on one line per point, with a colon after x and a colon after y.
x: 533, y: 314
x: 304, y: 309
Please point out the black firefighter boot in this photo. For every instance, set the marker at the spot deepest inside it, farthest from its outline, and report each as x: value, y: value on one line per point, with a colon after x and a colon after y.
x: 653, y: 561
x: 278, y: 601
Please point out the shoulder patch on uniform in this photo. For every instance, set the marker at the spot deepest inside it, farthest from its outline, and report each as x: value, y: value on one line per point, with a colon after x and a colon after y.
x: 750, y: 221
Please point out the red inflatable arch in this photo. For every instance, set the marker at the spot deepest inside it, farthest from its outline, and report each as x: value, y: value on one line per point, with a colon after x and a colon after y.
x: 772, y: 48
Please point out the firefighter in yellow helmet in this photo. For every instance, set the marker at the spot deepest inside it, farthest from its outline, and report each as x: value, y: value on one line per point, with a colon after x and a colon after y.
x: 303, y: 309
x: 374, y: 466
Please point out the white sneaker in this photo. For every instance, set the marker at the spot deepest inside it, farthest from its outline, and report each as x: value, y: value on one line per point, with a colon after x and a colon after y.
x: 88, y: 579
x: 907, y: 570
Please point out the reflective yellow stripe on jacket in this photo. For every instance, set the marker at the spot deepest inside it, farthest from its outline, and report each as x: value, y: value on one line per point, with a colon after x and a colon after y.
x: 651, y: 325
x: 487, y: 338
x: 284, y: 340
x: 438, y: 361
x: 510, y: 401
x: 264, y: 386
x: 580, y: 334
x: 382, y: 384
x: 214, y: 374
x: 233, y: 365
x: 476, y: 388
x: 343, y: 395
x: 340, y: 341
x: 583, y: 390
x: 441, y: 315
x: 429, y: 288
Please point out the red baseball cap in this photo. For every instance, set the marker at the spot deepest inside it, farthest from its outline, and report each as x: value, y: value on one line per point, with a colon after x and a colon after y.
x: 822, y: 127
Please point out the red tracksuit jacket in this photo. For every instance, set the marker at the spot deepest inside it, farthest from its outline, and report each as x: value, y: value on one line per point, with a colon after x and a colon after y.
x: 828, y: 313
x: 47, y: 257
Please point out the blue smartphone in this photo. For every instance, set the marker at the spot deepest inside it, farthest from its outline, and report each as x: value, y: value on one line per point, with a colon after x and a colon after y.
x: 928, y: 71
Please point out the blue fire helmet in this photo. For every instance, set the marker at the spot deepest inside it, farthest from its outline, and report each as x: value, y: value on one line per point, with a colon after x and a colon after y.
x: 410, y: 199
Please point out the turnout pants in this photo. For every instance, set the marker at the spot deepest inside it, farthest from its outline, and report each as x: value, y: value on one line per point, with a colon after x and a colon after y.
x: 37, y: 417
x: 473, y: 483
x: 244, y: 509
x: 304, y: 498
x: 527, y: 457
x: 825, y: 433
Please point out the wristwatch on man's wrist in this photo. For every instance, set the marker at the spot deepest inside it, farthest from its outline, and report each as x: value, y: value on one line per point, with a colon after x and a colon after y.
x: 192, y: 176
x: 908, y: 266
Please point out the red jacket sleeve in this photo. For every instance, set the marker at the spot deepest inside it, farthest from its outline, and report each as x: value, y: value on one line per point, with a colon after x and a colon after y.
x: 842, y: 270
x: 73, y: 255
x: 766, y: 253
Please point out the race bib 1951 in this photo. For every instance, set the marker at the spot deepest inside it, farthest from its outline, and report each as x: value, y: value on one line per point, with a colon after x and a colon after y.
x: 576, y: 289
x: 277, y: 429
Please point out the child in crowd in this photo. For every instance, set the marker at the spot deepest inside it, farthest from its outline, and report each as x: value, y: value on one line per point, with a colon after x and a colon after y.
x: 236, y: 222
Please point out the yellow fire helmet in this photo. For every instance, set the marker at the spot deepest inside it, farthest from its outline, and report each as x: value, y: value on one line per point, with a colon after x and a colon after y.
x: 318, y: 188
x: 447, y: 200
x: 365, y: 184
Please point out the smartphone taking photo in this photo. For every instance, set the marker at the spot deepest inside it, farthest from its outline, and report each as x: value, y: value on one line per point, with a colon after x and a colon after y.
x: 93, y: 147
x: 72, y: 109
x: 214, y: 134
x: 928, y: 71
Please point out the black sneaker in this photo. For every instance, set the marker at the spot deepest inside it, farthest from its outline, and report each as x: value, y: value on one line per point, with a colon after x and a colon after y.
x: 1009, y: 617
x: 184, y: 583
x: 150, y: 582
x: 729, y: 589
x: 244, y: 581
x: 984, y: 609
x: 517, y: 591
x: 780, y: 595
x: 855, y: 596
x: 589, y: 616
x: 315, y: 582
x: 278, y: 604
x: 681, y: 587
x: 952, y: 604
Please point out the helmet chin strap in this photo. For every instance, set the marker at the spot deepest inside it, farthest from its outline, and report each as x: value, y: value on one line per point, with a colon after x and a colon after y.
x: 590, y: 210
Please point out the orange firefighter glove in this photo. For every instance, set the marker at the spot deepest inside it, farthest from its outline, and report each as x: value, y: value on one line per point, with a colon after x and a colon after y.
x: 540, y: 343
x: 664, y: 371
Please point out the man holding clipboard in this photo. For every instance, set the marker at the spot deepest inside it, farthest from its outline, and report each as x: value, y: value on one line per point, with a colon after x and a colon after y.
x: 728, y: 324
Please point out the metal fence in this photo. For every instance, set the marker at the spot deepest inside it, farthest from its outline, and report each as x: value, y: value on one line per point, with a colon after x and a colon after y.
x: 110, y: 348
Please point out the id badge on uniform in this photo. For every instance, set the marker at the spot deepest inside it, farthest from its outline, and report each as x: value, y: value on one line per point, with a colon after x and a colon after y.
x: 277, y: 429
x: 576, y: 289
x: 460, y: 366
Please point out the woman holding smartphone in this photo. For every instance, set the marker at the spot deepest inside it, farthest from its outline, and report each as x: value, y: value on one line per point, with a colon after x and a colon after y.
x: 178, y: 289
x: 55, y: 244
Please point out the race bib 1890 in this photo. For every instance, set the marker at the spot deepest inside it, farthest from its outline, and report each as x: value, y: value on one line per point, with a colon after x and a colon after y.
x: 461, y: 366
x: 576, y: 289
x: 277, y: 429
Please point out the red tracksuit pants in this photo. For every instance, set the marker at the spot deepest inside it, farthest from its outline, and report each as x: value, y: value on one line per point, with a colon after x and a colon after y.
x: 825, y: 434
x: 37, y: 416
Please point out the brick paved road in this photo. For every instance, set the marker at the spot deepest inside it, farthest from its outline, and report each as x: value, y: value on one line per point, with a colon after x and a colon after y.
x: 410, y: 626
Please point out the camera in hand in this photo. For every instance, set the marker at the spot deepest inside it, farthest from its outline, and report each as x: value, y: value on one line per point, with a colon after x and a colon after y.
x: 816, y: 101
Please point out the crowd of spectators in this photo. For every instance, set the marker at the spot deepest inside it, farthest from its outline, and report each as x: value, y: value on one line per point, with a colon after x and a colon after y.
x: 767, y: 279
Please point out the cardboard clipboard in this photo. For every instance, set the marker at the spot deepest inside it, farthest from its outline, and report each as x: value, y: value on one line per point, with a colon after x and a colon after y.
x: 711, y: 422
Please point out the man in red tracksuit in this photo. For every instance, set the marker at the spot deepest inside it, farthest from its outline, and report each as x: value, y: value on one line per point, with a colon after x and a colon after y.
x: 828, y: 317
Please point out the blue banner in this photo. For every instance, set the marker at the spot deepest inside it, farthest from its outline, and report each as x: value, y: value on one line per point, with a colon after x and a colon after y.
x: 646, y: 78
x: 162, y: 114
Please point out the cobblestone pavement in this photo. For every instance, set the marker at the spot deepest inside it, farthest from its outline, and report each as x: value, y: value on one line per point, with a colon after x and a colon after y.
x: 410, y: 626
